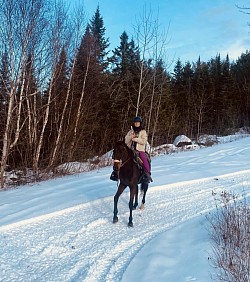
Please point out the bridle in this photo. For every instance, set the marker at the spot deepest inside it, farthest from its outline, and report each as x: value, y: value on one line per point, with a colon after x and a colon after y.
x: 123, y: 163
x: 120, y: 164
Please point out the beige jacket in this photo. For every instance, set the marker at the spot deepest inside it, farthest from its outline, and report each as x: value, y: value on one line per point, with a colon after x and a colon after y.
x: 141, y: 139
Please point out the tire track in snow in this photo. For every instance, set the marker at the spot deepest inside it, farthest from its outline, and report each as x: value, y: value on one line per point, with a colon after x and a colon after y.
x: 82, y: 243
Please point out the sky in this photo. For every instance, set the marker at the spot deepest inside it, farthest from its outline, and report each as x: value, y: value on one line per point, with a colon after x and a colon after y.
x: 61, y: 229
x: 194, y: 28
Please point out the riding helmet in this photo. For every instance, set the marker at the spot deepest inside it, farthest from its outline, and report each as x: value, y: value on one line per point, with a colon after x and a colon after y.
x: 137, y: 119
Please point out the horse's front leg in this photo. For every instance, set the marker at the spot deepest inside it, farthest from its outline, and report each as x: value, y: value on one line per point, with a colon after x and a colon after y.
x: 136, y: 199
x: 116, y: 198
x: 132, y: 195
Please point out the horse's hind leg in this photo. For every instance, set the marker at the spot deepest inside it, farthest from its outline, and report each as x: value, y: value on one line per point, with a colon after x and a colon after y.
x: 132, y: 195
x: 116, y: 198
x: 136, y: 199
x: 144, y: 188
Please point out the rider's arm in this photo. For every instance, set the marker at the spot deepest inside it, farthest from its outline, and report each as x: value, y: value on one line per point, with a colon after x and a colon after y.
x: 142, y: 138
x: 129, y: 136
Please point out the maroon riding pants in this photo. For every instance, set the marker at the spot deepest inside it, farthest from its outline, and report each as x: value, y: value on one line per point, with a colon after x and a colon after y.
x: 144, y: 159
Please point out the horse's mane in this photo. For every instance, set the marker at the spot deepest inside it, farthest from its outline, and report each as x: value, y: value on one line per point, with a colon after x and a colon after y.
x: 123, y: 144
x: 120, y: 142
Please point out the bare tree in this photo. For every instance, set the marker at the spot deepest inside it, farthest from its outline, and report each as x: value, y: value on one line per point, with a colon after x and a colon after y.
x: 144, y: 31
x: 22, y: 24
x: 160, y: 78
x: 33, y: 35
x: 56, y: 40
x: 77, y: 26
x: 152, y: 45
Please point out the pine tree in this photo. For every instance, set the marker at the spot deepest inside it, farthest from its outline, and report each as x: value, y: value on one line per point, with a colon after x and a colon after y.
x: 241, y: 76
x: 215, y: 71
x: 124, y: 80
x: 230, y: 100
x: 200, y: 98
x: 58, y: 100
x: 125, y: 57
x: 88, y: 88
x: 97, y: 30
x: 178, y: 90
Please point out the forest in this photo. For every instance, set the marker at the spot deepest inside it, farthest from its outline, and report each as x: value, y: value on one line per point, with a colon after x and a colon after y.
x: 66, y: 97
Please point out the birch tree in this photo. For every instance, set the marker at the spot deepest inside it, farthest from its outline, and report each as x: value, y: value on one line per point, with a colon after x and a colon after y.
x: 152, y: 44
x: 21, y: 25
x: 144, y: 31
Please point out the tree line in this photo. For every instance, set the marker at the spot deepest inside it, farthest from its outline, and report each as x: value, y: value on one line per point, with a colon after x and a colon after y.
x: 64, y: 96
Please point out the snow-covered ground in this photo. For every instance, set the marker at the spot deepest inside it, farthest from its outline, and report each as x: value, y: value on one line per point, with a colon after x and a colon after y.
x: 62, y: 230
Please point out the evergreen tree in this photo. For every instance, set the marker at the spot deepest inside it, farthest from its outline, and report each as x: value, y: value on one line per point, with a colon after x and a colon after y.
x: 179, y: 92
x: 241, y: 76
x: 215, y: 71
x: 58, y: 100
x: 230, y: 100
x: 188, y: 75
x: 178, y: 71
x: 161, y: 108
x: 89, y: 80
x: 125, y: 57
x: 97, y: 30
x: 124, y: 80
x: 200, y: 97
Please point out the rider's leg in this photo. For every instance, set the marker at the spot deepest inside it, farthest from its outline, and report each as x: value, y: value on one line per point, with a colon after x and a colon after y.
x: 146, y: 165
x: 144, y: 159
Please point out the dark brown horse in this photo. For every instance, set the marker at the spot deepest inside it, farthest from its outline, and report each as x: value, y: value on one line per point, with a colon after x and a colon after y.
x: 130, y: 175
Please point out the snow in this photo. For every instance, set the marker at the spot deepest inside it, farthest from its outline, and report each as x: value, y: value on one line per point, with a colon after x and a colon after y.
x: 62, y: 230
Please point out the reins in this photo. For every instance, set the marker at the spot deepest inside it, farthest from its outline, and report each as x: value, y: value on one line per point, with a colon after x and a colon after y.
x: 123, y: 163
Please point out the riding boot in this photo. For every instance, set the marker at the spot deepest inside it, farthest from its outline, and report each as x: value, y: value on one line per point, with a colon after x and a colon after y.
x: 148, y: 177
x: 114, y: 175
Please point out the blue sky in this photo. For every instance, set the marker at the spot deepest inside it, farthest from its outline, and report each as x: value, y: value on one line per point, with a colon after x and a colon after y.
x: 196, y: 27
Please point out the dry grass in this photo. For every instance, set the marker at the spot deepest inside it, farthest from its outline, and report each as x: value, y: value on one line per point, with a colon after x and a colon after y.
x: 229, y: 229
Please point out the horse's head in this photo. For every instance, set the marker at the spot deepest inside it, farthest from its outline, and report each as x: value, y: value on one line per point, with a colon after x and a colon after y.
x: 120, y: 153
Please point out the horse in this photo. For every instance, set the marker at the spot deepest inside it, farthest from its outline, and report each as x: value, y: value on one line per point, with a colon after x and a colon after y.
x: 130, y: 175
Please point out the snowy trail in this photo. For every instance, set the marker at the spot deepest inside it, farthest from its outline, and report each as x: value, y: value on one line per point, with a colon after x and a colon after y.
x: 82, y: 243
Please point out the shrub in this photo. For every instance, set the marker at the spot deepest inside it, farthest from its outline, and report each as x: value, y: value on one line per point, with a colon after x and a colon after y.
x: 229, y: 230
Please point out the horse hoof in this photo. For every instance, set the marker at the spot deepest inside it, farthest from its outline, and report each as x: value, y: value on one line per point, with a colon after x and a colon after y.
x: 134, y: 208
x: 115, y: 220
x: 142, y: 207
x: 130, y: 224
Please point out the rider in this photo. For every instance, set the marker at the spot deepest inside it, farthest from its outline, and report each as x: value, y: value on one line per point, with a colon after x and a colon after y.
x: 137, y: 139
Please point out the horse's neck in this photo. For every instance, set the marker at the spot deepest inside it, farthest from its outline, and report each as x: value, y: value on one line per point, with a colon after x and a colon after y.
x: 127, y: 156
